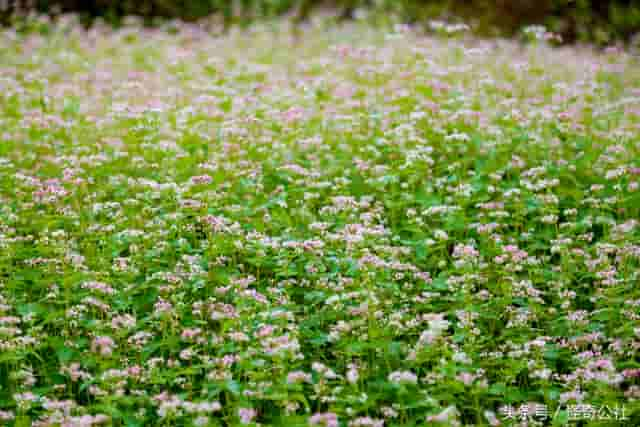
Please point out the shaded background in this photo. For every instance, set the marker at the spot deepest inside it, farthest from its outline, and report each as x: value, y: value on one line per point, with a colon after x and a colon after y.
x: 600, y: 21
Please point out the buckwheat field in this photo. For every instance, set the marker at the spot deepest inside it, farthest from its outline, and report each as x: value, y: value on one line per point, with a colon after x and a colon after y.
x: 358, y: 227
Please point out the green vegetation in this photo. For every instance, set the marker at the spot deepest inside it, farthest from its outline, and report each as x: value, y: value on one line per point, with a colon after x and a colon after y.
x: 346, y: 228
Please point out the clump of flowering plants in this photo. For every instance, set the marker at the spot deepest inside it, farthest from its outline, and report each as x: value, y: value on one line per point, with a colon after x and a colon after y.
x: 348, y: 228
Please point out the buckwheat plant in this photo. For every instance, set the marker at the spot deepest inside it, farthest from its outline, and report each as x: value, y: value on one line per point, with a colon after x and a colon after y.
x: 353, y: 227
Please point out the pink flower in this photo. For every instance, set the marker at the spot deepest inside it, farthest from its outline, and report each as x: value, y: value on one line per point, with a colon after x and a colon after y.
x: 246, y: 415
x: 296, y: 377
x: 326, y: 419
x: 201, y: 179
x: 103, y: 345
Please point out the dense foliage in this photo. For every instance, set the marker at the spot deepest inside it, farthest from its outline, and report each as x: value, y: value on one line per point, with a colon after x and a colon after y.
x: 595, y: 20
x: 354, y: 228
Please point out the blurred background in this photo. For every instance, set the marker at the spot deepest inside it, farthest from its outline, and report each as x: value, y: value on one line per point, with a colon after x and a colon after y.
x: 598, y: 21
